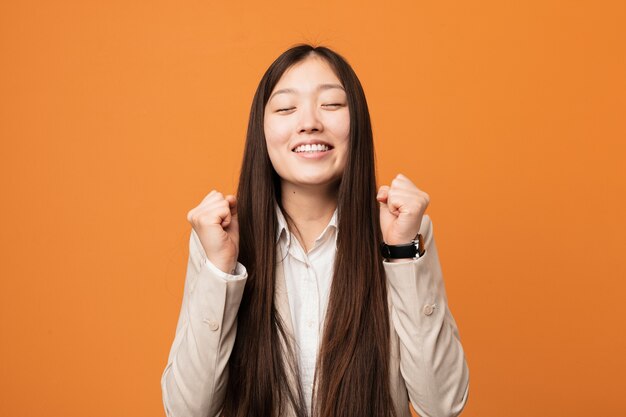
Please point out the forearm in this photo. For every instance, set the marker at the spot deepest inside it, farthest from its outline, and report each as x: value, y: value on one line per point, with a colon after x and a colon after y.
x: 432, y: 360
x: 194, y: 379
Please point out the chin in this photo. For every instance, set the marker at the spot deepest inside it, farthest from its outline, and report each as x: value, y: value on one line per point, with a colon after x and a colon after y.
x: 310, y: 180
x: 317, y: 181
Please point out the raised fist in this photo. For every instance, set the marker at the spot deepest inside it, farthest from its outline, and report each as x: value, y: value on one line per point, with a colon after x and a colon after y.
x: 402, y: 207
x: 215, y: 222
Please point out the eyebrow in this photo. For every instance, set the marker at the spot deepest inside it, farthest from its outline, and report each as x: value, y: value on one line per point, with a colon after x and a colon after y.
x: 294, y: 91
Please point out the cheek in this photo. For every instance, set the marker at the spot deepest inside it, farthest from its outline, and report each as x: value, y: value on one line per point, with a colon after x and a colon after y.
x: 340, y: 127
x: 276, y: 141
x: 276, y: 133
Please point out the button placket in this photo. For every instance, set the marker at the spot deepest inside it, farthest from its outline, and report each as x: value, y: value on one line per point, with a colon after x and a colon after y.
x: 311, y: 311
x: 316, y: 305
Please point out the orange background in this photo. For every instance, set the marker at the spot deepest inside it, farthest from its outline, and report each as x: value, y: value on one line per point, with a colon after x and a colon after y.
x: 117, y: 118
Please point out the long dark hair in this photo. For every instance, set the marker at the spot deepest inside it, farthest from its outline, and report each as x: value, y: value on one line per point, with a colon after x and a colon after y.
x: 352, y: 373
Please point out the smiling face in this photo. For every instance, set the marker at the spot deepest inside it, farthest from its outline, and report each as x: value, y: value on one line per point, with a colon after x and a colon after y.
x: 307, y: 124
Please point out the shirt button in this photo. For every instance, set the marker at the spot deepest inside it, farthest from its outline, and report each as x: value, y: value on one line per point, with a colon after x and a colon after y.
x: 213, y: 325
x: 310, y: 324
x: 428, y: 309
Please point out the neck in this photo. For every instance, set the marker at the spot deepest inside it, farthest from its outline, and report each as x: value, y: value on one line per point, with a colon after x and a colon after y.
x: 310, y: 208
x: 306, y: 204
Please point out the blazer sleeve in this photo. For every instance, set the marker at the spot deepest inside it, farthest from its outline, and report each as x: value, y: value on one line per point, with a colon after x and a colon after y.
x: 432, y: 360
x: 194, y: 380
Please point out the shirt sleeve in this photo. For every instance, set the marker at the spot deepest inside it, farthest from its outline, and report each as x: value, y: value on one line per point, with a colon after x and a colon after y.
x: 194, y: 380
x: 239, y: 273
x: 432, y: 360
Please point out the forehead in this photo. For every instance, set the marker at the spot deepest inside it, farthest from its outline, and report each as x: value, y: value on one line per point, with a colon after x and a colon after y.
x: 307, y: 74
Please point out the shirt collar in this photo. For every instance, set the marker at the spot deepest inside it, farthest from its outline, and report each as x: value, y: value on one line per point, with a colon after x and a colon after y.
x: 283, y: 228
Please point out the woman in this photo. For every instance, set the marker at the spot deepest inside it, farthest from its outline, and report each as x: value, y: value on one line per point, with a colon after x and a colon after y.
x: 289, y: 307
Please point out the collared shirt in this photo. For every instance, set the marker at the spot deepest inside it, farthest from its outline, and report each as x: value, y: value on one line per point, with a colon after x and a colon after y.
x: 308, y: 277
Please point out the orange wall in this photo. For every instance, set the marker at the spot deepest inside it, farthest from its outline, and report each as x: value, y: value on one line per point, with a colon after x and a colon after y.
x: 116, y: 118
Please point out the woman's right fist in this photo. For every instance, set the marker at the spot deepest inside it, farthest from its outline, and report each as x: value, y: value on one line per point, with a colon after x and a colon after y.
x: 215, y: 222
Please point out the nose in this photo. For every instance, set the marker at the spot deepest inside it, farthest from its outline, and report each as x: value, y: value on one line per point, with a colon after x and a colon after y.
x: 309, y: 120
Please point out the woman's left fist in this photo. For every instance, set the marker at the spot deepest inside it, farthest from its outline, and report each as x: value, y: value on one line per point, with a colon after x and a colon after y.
x: 402, y: 207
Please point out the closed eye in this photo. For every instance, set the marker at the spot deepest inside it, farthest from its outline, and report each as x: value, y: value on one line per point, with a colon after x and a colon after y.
x: 323, y: 105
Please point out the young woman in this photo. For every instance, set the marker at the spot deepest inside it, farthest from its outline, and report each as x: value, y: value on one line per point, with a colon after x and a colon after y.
x: 311, y: 292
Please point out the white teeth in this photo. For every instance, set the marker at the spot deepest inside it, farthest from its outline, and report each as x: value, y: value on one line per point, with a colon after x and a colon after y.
x: 311, y: 148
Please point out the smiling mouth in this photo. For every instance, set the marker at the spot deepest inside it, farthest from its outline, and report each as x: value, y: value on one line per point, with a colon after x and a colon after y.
x: 312, y: 148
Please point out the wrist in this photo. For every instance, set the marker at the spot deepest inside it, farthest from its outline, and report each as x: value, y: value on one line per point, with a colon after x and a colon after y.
x: 230, y: 269
x: 227, y: 268
x: 412, y: 250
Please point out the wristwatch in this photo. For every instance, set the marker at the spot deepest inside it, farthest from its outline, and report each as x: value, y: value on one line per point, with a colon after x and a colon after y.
x: 414, y: 249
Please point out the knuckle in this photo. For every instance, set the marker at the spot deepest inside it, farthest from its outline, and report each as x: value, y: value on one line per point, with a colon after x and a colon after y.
x: 203, y: 220
x: 220, y: 211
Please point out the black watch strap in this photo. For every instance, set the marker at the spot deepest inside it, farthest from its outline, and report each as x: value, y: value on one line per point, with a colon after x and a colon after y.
x: 414, y: 249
